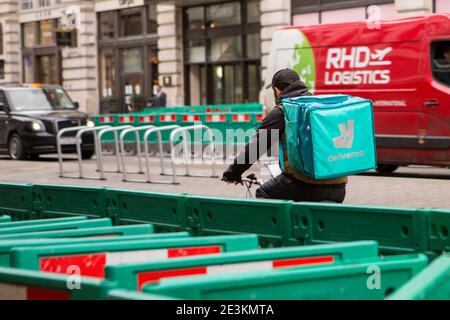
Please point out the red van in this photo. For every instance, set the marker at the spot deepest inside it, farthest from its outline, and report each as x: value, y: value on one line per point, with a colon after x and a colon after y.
x: 402, y: 65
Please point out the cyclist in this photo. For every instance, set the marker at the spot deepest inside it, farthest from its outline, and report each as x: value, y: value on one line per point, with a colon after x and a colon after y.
x: 289, y: 185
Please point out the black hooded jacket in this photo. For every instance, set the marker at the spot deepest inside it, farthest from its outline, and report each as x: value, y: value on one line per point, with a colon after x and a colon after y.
x: 273, y: 122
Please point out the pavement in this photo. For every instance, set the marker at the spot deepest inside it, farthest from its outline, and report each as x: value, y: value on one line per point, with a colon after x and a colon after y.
x: 411, y: 187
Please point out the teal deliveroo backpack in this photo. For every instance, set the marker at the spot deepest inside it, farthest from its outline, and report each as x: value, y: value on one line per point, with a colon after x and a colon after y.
x: 329, y: 136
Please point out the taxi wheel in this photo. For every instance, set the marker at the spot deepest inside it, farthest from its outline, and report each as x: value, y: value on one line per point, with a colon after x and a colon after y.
x: 16, y: 149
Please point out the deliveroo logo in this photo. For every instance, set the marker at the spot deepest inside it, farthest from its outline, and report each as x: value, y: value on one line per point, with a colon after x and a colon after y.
x: 302, y: 60
x: 345, y: 140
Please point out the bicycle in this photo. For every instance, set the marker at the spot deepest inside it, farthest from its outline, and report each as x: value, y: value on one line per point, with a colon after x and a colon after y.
x: 249, y: 182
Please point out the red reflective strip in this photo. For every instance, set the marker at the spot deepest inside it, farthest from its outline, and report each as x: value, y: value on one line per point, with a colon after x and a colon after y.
x: 185, y: 118
x: 247, y: 117
x: 216, y: 110
x: 173, y: 118
x: 302, y: 261
x: 102, y: 120
x: 259, y: 117
x: 92, y: 265
x: 197, y: 118
x: 121, y: 119
x: 144, y: 278
x: 208, y: 109
x: 46, y: 294
x: 194, y: 251
x: 224, y: 109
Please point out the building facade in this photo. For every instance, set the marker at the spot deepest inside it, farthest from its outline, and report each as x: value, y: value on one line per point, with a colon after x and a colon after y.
x: 109, y: 54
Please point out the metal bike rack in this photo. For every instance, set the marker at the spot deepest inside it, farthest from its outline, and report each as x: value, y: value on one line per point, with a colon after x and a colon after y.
x: 184, y: 130
x: 123, y: 134
x: 161, y: 152
x: 80, y: 131
x: 115, y: 130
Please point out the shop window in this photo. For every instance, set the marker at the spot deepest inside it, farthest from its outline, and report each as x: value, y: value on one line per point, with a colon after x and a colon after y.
x: 107, y: 73
x: 195, y: 18
x: 152, y: 24
x: 44, y: 3
x: 197, y: 51
x: 132, y: 60
x: 46, y: 32
x: 47, y: 69
x: 253, y: 44
x: 253, y: 11
x: 221, y: 15
x: 226, y: 48
x: 2, y: 69
x: 29, y: 35
x: 130, y: 22
x: 107, y: 25
x: 1, y: 39
x: 440, y: 60
x: 28, y: 71
x: 27, y: 4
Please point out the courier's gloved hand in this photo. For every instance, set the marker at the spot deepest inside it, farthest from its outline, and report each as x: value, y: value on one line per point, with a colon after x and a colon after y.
x: 231, y: 177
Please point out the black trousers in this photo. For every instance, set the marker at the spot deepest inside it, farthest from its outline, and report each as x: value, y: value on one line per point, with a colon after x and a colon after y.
x: 285, y: 187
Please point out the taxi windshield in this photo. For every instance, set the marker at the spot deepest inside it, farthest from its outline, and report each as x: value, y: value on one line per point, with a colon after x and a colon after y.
x: 36, y: 99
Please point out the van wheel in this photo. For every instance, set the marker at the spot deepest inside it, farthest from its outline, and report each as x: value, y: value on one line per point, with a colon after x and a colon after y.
x: 386, y: 168
x: 15, y: 148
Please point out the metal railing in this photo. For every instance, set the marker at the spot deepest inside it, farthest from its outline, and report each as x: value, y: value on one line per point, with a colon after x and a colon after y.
x: 115, y: 131
x: 161, y: 151
x: 123, y: 134
x: 187, y: 156
x: 78, y: 142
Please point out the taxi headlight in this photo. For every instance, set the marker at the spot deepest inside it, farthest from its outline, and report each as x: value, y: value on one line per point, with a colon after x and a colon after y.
x: 90, y: 124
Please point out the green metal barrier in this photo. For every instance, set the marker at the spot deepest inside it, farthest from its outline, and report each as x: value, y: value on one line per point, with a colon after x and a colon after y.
x: 16, y: 284
x: 4, y: 219
x: 7, y: 245
x: 92, y: 258
x: 135, y: 276
x: 396, y: 230
x: 270, y: 220
x: 165, y: 211
x: 439, y: 226
x: 433, y: 283
x: 350, y: 281
x: 132, y: 230
x: 63, y: 201
x: 16, y: 201
x: 29, y: 223
x: 132, y: 295
x: 59, y: 226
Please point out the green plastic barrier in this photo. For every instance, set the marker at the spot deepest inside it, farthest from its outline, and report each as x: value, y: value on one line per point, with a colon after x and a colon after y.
x: 131, y: 295
x: 135, y: 276
x: 373, y: 280
x: 4, y: 219
x: 433, y: 283
x: 132, y: 230
x: 106, y: 222
x: 16, y: 201
x: 63, y: 201
x: 27, y: 223
x: 167, y: 212
x: 7, y: 245
x: 92, y: 258
x: 270, y: 220
x: 439, y: 226
x: 16, y: 284
x: 396, y: 230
